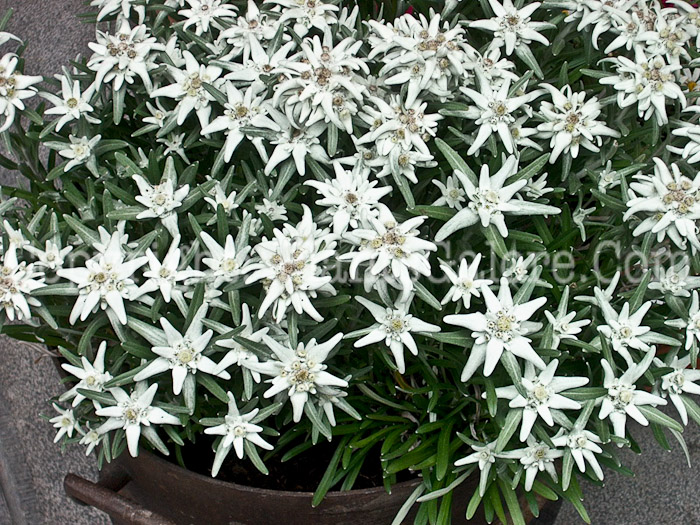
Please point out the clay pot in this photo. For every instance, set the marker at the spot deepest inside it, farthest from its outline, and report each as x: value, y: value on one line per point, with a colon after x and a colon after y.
x: 150, y: 490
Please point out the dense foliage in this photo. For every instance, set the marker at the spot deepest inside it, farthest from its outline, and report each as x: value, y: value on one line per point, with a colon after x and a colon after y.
x: 460, y: 236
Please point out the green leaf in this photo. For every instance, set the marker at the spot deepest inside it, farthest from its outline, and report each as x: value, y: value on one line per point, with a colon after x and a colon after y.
x: 526, y: 56
x: 566, y: 469
x: 640, y: 290
x: 516, y: 514
x: 254, y: 457
x: 585, y: 393
x: 443, y: 451
x: 495, y: 241
x: 326, y: 481
x: 509, y: 427
x: 86, y: 234
x: 216, y: 93
x: 101, y: 397
x: 656, y: 416
x: 442, y: 213
x: 425, y: 295
x: 531, y: 170
x: 210, y: 384
x: 457, y: 162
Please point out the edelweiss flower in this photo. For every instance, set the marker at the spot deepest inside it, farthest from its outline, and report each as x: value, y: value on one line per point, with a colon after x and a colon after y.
x: 65, y: 423
x: 165, y: 275
x: 273, y: 209
x: 158, y: 114
x: 121, y: 7
x: 676, y: 280
x: 254, y: 25
x: 623, y: 398
x: 323, y: 84
x: 691, y: 151
x: 79, y: 151
x: 243, y: 110
x: 202, y: 13
x: 219, y: 198
x: 452, y: 194
x: 296, y: 142
x: 134, y: 413
x: 306, y: 14
x: 92, y: 376
x: 104, y: 282
x: 424, y: 53
x: 183, y: 353
x: 623, y: 330
x: 17, y: 282
x: 162, y: 199
x: 465, y: 285
x: 298, y: 372
x: 292, y: 270
x: 174, y: 146
x: 397, y: 127
x: 537, y: 457
x: 491, y: 200
x: 394, y: 326
x: 583, y: 445
x: 563, y: 325
x: 513, y: 27
x: 72, y: 105
x: 648, y: 82
x: 14, y: 88
x: 543, y: 393
x: 518, y: 269
x: 52, y: 257
x: 15, y: 236
x: 485, y: 457
x: 237, y: 428
x: 672, y: 198
x: 502, y: 327
x: 237, y: 353
x: 91, y: 438
x: 680, y: 381
x: 351, y: 198
x: 260, y: 64
x: 691, y: 325
x: 124, y: 55
x: 493, y: 113
x: 226, y: 263
x: 571, y: 122
x: 392, y: 246
x: 608, y: 178
x: 189, y: 90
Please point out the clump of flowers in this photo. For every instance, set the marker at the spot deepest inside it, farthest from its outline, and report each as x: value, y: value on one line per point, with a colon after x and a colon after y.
x: 464, y: 240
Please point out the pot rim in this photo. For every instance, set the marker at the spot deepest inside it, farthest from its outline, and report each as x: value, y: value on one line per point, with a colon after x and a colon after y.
x: 150, y: 456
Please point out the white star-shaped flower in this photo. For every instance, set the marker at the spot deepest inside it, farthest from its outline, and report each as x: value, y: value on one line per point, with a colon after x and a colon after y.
x: 351, y: 198
x: 491, y: 200
x: 183, y: 354
x: 92, y: 376
x: 543, y: 394
x: 465, y: 284
x: 623, y: 397
x: 502, y: 327
x: 104, y: 282
x: 236, y: 430
x: 134, y: 413
x: 298, y: 372
x: 394, y: 326
x: 679, y: 382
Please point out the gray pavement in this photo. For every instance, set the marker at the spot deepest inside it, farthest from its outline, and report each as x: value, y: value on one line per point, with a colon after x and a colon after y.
x: 664, y: 491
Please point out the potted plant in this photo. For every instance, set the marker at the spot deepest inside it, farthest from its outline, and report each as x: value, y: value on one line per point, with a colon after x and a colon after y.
x: 354, y: 249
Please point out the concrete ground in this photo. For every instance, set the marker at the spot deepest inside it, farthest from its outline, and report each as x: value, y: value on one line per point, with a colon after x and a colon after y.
x: 664, y: 492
